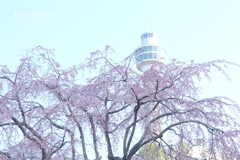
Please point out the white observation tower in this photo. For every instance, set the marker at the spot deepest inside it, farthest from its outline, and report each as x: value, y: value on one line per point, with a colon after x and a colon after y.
x: 149, y: 52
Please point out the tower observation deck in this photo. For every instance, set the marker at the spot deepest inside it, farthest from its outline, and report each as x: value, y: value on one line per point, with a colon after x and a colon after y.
x: 149, y: 52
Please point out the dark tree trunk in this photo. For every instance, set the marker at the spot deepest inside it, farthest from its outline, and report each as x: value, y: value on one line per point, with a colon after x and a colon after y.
x: 45, y: 156
x: 114, y: 158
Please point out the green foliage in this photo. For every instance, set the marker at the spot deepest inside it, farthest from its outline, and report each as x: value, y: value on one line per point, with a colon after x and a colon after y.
x: 151, y: 151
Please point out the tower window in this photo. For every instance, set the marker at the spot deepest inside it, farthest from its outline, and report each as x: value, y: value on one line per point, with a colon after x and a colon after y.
x: 150, y: 34
x: 154, y: 48
x: 144, y: 49
x: 154, y: 55
x: 149, y: 56
x: 145, y: 56
x: 146, y: 35
x: 149, y: 48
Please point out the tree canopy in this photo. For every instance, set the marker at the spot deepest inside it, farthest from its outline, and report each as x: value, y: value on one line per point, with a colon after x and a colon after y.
x: 48, y: 112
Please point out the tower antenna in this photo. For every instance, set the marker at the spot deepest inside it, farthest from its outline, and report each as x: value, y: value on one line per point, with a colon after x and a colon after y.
x: 144, y: 26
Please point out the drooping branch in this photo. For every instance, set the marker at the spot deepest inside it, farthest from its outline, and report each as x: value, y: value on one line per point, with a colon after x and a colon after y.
x: 142, y: 142
x: 94, y: 138
x: 6, y: 154
x: 83, y: 143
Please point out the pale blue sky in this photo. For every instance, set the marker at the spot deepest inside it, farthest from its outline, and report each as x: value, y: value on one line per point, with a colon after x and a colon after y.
x: 189, y: 29
x: 201, y: 30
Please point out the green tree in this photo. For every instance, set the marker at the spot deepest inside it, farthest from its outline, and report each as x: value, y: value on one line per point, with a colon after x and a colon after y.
x: 152, y: 151
x: 156, y: 151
